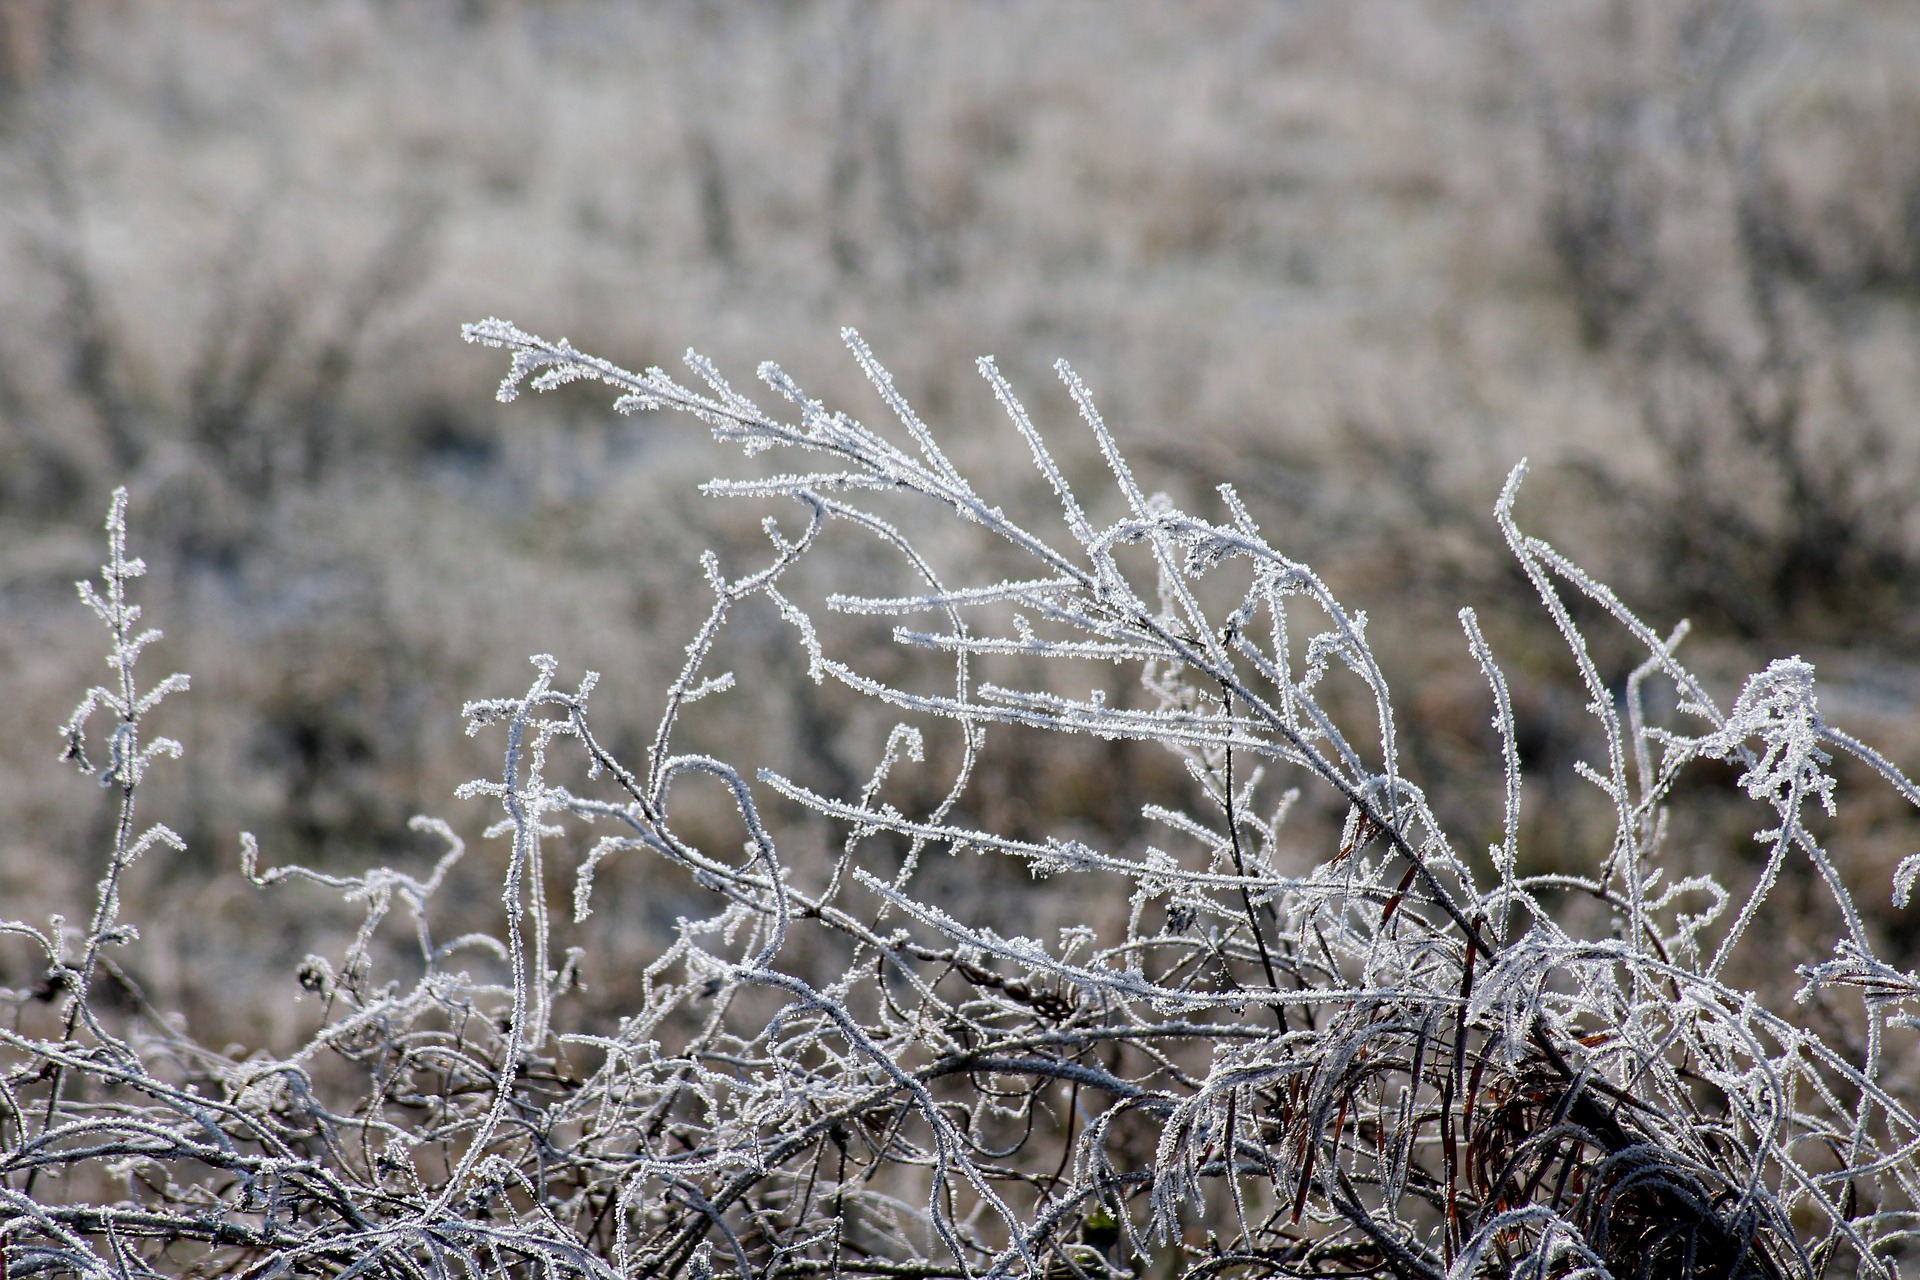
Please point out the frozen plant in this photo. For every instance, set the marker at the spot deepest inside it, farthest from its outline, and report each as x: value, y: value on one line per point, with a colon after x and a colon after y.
x: 1394, y: 1055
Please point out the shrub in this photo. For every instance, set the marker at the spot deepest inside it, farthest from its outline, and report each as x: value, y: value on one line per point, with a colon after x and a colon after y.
x: 1731, y: 285
x: 1386, y: 1052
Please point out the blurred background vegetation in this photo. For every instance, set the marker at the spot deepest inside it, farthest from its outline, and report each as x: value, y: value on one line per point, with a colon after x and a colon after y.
x: 1356, y: 256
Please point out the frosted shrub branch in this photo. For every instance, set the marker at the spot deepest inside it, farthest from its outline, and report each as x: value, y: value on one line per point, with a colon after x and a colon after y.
x: 1385, y: 1049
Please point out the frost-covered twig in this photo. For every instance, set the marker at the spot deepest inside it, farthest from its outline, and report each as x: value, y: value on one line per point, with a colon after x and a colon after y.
x: 837, y: 1072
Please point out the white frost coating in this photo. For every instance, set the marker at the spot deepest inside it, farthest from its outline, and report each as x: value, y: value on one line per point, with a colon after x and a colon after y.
x: 1368, y: 1053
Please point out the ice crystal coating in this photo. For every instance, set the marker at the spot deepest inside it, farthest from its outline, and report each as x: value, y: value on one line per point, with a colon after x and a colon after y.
x: 1391, y: 1056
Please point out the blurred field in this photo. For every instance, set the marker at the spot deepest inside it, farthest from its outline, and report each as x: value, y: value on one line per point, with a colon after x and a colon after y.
x: 1356, y: 258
